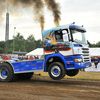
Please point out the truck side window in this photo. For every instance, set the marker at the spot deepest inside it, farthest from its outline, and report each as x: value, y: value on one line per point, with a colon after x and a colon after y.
x: 58, y: 36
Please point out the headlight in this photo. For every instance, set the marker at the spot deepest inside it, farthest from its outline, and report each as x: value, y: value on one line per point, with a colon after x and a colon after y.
x: 78, y: 60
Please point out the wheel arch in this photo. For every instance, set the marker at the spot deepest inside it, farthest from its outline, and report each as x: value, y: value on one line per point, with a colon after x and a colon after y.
x: 8, y: 64
x: 54, y: 58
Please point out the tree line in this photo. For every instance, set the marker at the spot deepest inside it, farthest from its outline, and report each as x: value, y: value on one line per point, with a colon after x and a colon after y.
x: 21, y: 44
x: 94, y: 45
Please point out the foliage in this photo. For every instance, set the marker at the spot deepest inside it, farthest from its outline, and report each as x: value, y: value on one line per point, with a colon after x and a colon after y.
x: 10, y: 45
x: 1, y: 50
x: 30, y: 43
x: 21, y: 44
x: 94, y: 45
x: 2, y: 46
x: 39, y: 44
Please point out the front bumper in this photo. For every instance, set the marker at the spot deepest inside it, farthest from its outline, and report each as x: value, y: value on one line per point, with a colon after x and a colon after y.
x: 80, y: 65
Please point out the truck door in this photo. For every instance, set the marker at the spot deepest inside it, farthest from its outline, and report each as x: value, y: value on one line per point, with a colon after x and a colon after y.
x: 63, y: 45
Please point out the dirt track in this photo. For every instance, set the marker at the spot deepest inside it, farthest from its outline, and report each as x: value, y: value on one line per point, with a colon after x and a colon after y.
x: 44, y: 88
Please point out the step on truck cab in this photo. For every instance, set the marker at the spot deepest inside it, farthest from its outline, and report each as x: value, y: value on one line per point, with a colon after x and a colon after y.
x: 65, y: 52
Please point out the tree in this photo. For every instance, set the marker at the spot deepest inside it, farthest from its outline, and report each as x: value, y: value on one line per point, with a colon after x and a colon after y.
x: 2, y: 47
x: 19, y: 42
x: 31, y: 38
x: 98, y: 44
x: 1, y: 50
x: 39, y: 44
x: 10, y: 45
x: 2, y: 44
x: 30, y: 44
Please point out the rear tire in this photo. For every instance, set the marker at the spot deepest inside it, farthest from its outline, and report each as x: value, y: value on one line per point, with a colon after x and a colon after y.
x: 72, y: 72
x: 7, y: 73
x: 56, y: 70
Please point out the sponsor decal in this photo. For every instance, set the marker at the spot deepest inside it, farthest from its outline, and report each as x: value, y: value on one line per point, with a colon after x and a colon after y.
x: 27, y: 65
x: 16, y: 70
x: 22, y: 69
x: 39, y: 62
x: 33, y: 64
x: 34, y: 68
x: 15, y: 66
x: 22, y: 63
x: 39, y: 67
x: 29, y: 62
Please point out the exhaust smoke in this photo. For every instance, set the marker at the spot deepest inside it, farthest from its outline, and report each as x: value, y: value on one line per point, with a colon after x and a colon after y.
x: 38, y: 9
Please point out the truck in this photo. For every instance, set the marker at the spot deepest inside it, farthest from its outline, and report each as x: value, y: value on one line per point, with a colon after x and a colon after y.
x: 65, y: 52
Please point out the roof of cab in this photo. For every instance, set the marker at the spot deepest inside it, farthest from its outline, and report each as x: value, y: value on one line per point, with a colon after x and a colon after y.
x: 71, y: 26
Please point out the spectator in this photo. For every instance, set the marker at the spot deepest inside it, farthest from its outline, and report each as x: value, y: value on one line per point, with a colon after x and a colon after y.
x: 31, y: 57
x: 92, y: 59
x: 0, y: 58
x: 7, y: 58
x: 26, y: 57
x: 34, y: 57
x: 99, y: 58
x: 19, y: 57
x: 22, y: 57
x: 96, y: 61
x: 37, y: 57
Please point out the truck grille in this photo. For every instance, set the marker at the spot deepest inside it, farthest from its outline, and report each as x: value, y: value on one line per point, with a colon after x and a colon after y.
x: 86, y: 56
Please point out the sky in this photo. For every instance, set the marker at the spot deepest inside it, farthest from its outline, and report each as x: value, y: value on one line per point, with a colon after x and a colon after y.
x: 82, y: 12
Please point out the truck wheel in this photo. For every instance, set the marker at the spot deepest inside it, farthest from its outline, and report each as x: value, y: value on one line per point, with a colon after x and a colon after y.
x: 6, y: 73
x: 56, y: 71
x: 72, y: 72
x: 25, y: 76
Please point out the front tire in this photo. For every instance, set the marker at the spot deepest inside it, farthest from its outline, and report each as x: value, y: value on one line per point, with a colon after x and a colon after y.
x: 6, y: 73
x: 56, y: 70
x: 72, y: 72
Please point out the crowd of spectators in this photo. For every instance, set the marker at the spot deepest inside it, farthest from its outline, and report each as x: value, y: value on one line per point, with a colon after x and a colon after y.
x: 95, y: 60
x: 9, y: 57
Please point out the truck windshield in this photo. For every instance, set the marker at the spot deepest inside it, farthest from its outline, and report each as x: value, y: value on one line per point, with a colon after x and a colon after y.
x: 78, y: 36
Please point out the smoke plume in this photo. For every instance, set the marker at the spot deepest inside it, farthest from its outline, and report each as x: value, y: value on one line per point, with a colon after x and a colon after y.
x: 15, y: 6
x: 38, y: 11
x: 55, y: 8
x: 2, y: 7
x: 38, y: 6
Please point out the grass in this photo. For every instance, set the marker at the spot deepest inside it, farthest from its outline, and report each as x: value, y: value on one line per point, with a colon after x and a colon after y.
x: 86, y: 75
x: 80, y: 75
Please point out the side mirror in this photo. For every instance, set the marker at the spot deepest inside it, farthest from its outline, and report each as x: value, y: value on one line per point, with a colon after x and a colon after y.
x: 65, y: 38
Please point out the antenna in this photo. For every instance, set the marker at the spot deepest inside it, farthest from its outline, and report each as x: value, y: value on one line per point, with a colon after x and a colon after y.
x: 73, y: 23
